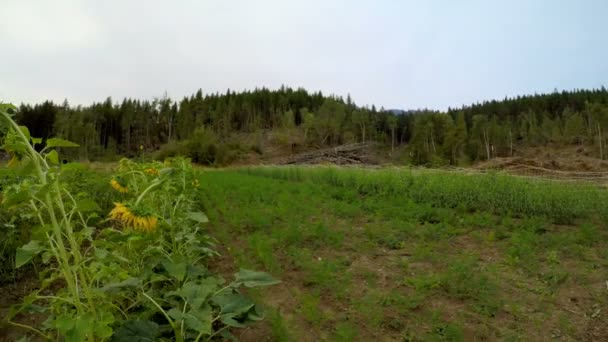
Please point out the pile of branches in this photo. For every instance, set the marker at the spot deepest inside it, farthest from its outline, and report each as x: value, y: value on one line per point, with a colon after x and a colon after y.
x: 358, y: 153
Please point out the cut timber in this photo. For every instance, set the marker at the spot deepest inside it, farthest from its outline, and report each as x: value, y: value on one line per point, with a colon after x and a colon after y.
x: 359, y: 153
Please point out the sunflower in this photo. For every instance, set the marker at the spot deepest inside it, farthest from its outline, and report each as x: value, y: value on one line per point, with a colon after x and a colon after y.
x: 118, y: 187
x: 125, y: 215
x: 151, y: 171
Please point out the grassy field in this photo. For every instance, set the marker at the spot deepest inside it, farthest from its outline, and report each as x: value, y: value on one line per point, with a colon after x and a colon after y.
x: 386, y: 254
x: 412, y: 255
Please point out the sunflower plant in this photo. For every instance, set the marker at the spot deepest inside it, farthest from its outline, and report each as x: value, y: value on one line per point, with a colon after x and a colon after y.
x: 63, y: 228
x: 138, y: 274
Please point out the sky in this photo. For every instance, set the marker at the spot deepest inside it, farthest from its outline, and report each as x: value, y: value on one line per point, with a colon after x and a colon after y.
x: 396, y: 54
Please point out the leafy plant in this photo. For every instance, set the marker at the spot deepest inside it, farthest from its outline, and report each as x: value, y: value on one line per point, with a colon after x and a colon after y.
x: 138, y: 275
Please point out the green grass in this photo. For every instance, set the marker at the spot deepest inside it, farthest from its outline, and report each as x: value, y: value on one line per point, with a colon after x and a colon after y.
x: 496, y: 192
x: 411, y: 255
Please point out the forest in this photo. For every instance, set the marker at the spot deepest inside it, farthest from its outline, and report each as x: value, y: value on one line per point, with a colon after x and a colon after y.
x: 203, y: 126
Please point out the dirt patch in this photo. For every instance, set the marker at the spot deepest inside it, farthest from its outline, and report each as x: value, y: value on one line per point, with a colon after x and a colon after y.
x: 557, y: 158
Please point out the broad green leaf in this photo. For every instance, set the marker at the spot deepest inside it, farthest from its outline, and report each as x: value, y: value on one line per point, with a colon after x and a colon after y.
x: 16, y: 198
x: 200, y: 320
x: 101, y: 253
x: 75, y: 328
x: 27, y: 252
x: 87, y: 205
x: 53, y: 157
x: 155, y: 278
x: 46, y: 257
x: 231, y: 321
x: 56, y: 142
x: 26, y: 167
x: 233, y: 303
x: 196, y: 292
x: 64, y: 323
x: 36, y: 141
x: 84, y: 326
x: 254, y: 315
x: 198, y: 216
x: 25, y: 131
x: 16, y: 146
x: 43, y: 190
x: 87, y: 233
x: 176, y: 314
x: 198, y: 271
x: 236, y: 309
x: 254, y: 279
x: 103, y: 329
x: 137, y: 331
x: 175, y: 269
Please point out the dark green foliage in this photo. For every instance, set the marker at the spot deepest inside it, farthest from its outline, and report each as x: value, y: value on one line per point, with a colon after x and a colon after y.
x: 14, y: 230
x: 202, y: 147
x: 200, y: 125
x: 86, y: 183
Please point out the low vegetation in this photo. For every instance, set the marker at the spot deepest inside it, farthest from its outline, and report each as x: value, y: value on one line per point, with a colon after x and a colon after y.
x: 415, y: 255
x: 497, y: 193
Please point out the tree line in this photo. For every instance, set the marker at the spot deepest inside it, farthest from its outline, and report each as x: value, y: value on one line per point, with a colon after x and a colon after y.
x: 296, y: 117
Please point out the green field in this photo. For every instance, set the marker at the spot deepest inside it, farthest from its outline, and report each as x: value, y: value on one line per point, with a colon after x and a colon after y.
x: 362, y: 254
x: 414, y: 255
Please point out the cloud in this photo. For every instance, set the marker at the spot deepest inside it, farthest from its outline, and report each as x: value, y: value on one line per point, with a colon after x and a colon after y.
x: 396, y: 54
x: 29, y: 26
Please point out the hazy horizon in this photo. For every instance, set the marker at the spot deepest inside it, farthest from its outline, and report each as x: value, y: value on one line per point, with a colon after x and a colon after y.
x: 396, y: 55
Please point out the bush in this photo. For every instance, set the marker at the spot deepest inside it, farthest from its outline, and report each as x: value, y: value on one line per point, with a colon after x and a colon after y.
x: 169, y: 150
x: 202, y: 148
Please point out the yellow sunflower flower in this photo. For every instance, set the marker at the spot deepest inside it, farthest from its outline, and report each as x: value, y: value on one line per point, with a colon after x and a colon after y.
x: 151, y: 171
x: 118, y: 187
x: 125, y: 215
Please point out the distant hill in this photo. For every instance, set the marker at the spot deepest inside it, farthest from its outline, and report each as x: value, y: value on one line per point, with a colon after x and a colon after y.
x: 220, y: 128
x: 552, y: 103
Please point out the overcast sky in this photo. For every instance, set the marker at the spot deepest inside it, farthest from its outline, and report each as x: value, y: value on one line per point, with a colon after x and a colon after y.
x: 392, y: 53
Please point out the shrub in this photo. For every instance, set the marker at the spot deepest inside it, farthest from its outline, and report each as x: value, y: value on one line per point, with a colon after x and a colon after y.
x: 169, y: 150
